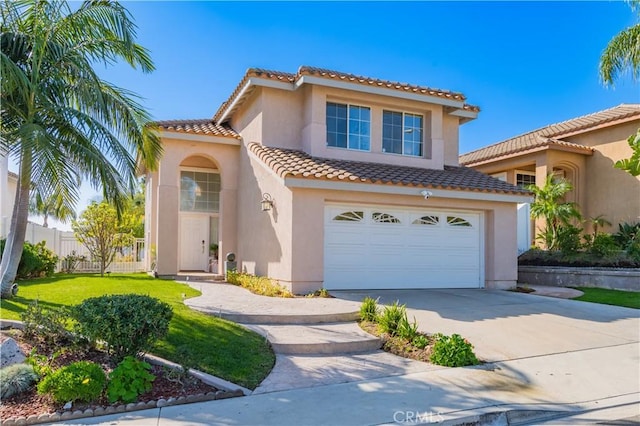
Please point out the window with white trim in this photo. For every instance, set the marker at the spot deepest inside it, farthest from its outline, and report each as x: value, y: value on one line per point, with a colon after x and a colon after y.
x: 350, y: 216
x: 402, y: 133
x: 427, y: 220
x: 384, y: 218
x: 199, y: 191
x: 457, y: 221
x: 524, y: 179
x: 348, y: 126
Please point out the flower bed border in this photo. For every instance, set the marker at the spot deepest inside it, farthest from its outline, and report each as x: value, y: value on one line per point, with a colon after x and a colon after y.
x: 226, y: 390
x: 567, y: 276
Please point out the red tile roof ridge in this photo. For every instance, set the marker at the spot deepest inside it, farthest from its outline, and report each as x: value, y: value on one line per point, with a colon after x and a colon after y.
x: 283, y: 162
x: 204, y: 126
x: 331, y: 74
x: 551, y: 132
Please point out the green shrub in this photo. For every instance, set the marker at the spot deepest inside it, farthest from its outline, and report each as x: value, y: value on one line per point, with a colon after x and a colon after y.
x: 569, y: 239
x: 408, y: 330
x: 48, y: 326
x: 604, y: 245
x: 628, y: 234
x: 420, y: 341
x: 78, y: 381
x: 128, y: 323
x: 36, y: 261
x: 263, y: 286
x: 15, y: 379
x: 42, y: 364
x: 453, y: 351
x: 390, y: 319
x: 369, y: 310
x: 129, y: 379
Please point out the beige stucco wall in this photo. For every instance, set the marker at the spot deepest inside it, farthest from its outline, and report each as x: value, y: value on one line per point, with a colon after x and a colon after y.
x: 264, y: 238
x: 611, y: 192
x: 164, y: 228
x: 297, y: 120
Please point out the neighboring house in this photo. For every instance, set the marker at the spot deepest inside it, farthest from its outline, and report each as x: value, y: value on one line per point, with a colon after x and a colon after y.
x: 325, y: 179
x: 582, y: 150
x: 8, y: 187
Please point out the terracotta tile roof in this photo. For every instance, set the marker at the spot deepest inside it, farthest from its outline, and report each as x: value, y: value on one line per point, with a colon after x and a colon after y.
x: 336, y: 75
x: 201, y: 127
x: 298, y: 164
x: 551, y: 135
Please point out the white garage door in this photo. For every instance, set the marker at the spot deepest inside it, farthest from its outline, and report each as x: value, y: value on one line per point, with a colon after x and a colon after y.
x: 386, y: 247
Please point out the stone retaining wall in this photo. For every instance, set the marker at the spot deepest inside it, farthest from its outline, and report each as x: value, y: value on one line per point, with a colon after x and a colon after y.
x: 564, y: 276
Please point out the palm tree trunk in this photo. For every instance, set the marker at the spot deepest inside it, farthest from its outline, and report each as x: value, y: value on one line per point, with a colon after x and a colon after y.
x: 17, y: 231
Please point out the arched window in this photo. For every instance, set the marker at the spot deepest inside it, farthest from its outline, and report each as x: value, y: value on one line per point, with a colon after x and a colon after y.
x: 349, y: 216
x: 384, y: 218
x: 457, y: 221
x: 427, y: 220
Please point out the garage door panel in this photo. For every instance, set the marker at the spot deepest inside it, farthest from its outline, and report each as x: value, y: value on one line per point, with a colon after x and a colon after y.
x: 426, y: 249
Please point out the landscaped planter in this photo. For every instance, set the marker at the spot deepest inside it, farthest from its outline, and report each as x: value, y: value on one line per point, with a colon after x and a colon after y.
x: 565, y: 276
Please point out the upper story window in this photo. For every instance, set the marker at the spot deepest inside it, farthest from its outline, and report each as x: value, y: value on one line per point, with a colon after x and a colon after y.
x: 348, y: 126
x: 402, y: 133
x: 524, y: 179
x: 199, y: 191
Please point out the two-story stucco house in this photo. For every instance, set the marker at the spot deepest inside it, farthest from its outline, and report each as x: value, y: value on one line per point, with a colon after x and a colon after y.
x: 325, y: 179
x: 581, y: 150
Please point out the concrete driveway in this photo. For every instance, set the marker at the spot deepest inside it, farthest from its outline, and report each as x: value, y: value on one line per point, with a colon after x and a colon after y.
x: 506, y: 325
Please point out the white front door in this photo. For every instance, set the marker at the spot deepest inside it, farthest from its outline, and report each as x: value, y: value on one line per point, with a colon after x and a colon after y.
x: 194, y: 242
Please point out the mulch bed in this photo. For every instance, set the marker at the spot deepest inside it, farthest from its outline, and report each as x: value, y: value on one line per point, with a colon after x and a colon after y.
x: 165, y: 386
x: 520, y: 289
x: 399, y: 346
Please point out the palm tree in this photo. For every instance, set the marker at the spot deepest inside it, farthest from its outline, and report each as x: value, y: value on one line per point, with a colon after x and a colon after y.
x: 598, y: 222
x: 622, y: 53
x: 50, y: 206
x: 58, y: 119
x: 549, y: 205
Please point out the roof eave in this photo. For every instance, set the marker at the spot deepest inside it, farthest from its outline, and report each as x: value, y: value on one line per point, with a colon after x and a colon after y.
x: 467, y: 194
x: 384, y: 91
x: 520, y: 153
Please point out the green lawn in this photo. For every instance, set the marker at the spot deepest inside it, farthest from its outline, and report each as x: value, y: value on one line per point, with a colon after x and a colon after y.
x: 209, y: 344
x: 629, y: 299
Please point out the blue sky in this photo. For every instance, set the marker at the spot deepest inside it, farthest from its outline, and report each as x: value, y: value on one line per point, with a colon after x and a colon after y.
x: 526, y: 64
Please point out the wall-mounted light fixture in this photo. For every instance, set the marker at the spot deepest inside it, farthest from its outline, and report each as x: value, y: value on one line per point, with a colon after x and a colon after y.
x: 267, y: 202
x: 426, y: 194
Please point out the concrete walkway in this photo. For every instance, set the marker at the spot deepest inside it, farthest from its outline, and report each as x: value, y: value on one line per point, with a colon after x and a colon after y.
x: 547, y: 359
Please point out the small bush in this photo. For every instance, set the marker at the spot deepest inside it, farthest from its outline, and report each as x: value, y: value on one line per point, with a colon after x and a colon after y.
x: 48, y: 326
x: 263, y: 286
x: 15, y: 379
x: 408, y: 330
x: 128, y: 323
x: 389, y: 320
x: 420, y: 341
x: 369, y: 310
x: 36, y: 261
x: 604, y: 245
x: 42, y: 364
x: 569, y: 239
x: 129, y: 379
x: 79, y: 381
x: 453, y: 351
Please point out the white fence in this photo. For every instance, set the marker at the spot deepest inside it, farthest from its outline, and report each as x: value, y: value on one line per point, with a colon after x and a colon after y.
x: 63, y: 244
x: 128, y: 259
